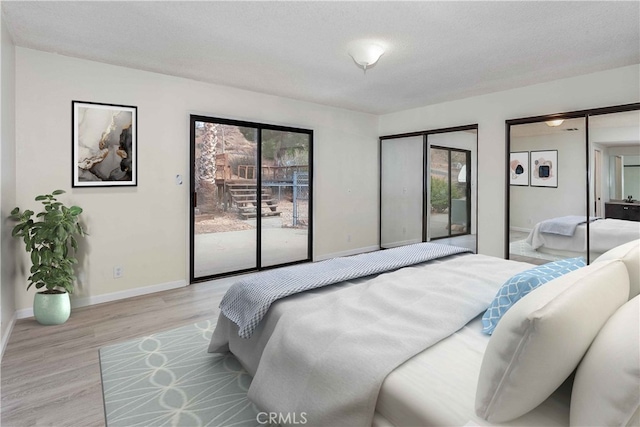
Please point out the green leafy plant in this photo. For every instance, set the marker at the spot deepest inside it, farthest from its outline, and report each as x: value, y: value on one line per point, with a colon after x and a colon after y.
x: 440, y: 194
x: 50, y: 238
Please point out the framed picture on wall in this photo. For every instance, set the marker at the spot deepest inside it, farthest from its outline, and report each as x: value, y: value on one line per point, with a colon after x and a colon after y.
x: 519, y: 168
x: 104, y: 150
x: 544, y: 168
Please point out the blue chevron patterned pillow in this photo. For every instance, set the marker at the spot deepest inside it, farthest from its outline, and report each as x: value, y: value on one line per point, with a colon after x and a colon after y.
x: 521, y: 284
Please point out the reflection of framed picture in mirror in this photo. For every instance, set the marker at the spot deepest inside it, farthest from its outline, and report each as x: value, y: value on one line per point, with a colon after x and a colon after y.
x: 519, y: 168
x: 544, y: 168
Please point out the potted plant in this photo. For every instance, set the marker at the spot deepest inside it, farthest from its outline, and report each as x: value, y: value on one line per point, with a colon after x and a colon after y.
x: 50, y: 239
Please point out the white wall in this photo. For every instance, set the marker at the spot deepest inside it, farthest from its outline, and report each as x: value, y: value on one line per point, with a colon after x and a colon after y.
x: 530, y: 205
x: 145, y: 228
x: 612, y: 87
x: 7, y: 182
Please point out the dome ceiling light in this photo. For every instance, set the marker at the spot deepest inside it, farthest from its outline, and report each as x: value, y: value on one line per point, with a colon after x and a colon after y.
x: 554, y: 123
x: 366, y: 54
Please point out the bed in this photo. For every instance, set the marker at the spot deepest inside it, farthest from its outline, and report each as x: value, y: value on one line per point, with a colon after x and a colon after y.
x: 437, y: 385
x: 604, y: 234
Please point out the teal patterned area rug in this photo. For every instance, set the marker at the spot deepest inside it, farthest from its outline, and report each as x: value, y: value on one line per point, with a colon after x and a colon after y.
x: 169, y: 379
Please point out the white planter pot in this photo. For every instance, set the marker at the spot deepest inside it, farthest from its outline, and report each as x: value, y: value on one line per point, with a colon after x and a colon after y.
x: 51, y: 309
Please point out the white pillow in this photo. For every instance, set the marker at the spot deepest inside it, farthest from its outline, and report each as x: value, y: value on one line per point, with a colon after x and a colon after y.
x: 629, y: 253
x: 606, y: 390
x: 541, y: 339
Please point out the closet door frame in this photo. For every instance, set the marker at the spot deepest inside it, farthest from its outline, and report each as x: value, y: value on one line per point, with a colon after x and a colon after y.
x: 425, y: 191
x: 585, y: 114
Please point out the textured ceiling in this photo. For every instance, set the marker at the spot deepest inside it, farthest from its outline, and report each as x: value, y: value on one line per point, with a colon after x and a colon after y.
x: 436, y: 51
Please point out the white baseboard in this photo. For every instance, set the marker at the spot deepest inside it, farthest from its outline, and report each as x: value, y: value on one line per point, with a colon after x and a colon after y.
x: 7, y: 334
x: 114, y: 296
x: 347, y: 253
x: 524, y: 230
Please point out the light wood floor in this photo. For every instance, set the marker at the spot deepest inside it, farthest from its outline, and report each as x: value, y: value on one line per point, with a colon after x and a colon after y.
x: 51, y: 375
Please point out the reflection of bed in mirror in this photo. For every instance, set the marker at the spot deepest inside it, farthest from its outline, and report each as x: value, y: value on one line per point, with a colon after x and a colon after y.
x: 604, y: 234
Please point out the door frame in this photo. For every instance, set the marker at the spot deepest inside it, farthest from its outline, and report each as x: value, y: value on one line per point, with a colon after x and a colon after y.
x: 425, y: 134
x: 193, y: 118
x: 597, y: 181
x: 568, y: 115
x: 468, y: 191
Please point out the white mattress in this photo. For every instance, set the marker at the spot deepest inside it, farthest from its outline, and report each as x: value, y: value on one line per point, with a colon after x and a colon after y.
x: 437, y: 388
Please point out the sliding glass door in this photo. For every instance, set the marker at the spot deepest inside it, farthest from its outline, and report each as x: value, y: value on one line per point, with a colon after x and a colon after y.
x: 450, y: 192
x: 286, y: 197
x: 251, y: 196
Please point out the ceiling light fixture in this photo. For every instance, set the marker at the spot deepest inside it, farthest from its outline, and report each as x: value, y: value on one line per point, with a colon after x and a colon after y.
x: 365, y: 55
x: 554, y: 123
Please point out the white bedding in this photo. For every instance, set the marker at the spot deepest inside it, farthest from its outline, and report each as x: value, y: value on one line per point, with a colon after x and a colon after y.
x: 249, y: 351
x: 604, y: 234
x: 437, y: 388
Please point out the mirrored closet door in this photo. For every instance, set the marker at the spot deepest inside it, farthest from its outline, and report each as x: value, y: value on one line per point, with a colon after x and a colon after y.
x: 614, y: 147
x: 401, y: 188
x: 547, y: 190
x: 567, y: 183
x: 428, y: 187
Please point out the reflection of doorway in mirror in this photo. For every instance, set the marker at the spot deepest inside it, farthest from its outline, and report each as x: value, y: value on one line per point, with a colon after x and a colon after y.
x: 617, y: 195
x: 597, y: 182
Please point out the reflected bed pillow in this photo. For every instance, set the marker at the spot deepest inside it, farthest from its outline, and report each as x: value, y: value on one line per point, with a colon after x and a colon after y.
x: 521, y: 284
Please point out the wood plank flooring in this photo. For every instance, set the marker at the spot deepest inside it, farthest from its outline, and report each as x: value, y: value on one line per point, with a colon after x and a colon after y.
x: 50, y: 375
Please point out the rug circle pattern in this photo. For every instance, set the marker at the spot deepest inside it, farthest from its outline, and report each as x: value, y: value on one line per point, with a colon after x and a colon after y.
x: 169, y: 379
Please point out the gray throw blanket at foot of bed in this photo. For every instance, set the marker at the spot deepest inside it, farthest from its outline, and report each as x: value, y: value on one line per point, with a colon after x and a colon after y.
x: 249, y: 299
x: 328, y: 356
x: 564, y: 225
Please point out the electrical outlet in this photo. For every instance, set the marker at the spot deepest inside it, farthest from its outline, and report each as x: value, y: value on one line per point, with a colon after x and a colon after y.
x: 348, y: 237
x: 118, y: 272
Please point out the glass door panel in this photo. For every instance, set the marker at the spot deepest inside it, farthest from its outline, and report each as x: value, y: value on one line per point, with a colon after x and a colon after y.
x: 439, y: 192
x: 225, y: 232
x: 285, y: 199
x: 401, y: 191
x: 251, y: 196
x: 459, y: 222
x: 452, y: 195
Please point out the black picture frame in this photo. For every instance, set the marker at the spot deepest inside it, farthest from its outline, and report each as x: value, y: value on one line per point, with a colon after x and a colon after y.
x: 544, y: 168
x: 104, y: 145
x: 518, y: 168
